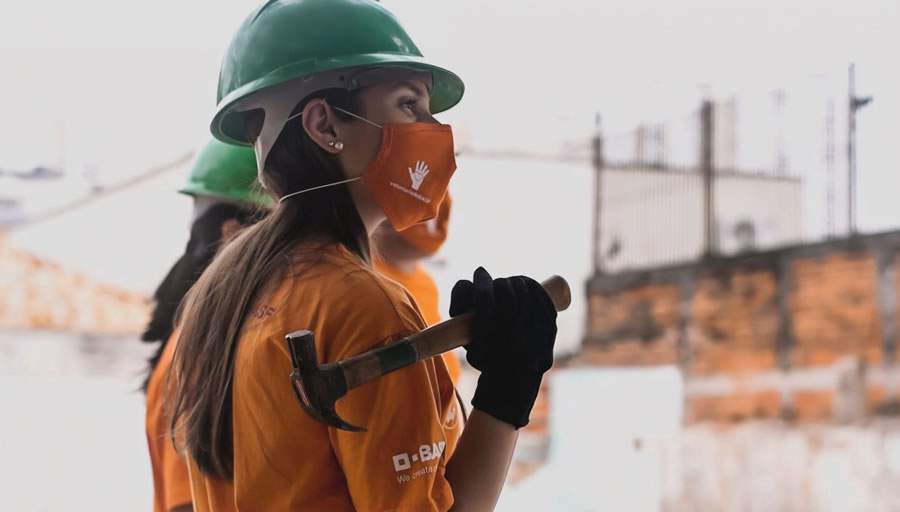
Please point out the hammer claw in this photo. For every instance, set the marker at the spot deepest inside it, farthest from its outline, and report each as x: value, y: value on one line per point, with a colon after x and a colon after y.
x: 317, y: 387
x: 328, y: 417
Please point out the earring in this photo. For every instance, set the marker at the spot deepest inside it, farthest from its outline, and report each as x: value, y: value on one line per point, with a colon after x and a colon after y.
x: 338, y: 145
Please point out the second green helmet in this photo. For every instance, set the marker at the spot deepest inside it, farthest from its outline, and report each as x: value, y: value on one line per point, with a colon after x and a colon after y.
x: 227, y: 172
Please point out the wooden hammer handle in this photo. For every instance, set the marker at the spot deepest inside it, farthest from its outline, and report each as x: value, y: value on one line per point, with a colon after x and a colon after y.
x: 435, y: 340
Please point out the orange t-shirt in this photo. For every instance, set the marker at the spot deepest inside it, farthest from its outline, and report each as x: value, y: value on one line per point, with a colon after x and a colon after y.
x: 286, y: 460
x: 171, y: 485
x: 424, y: 290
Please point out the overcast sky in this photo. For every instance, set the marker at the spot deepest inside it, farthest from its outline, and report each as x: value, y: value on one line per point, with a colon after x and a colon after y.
x: 123, y: 85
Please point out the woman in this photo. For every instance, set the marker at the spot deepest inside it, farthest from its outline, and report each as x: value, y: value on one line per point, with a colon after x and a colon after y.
x: 224, y: 189
x: 337, y: 102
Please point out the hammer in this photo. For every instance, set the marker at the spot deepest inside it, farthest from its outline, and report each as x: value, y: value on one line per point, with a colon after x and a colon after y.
x: 318, y: 387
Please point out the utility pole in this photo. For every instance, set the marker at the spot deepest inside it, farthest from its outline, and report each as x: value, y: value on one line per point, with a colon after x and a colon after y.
x: 598, y: 164
x: 706, y: 168
x: 640, y: 144
x: 854, y: 103
x: 659, y: 146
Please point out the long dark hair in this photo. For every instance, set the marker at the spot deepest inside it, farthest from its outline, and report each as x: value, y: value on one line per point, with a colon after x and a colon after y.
x: 215, y: 308
x: 206, y: 235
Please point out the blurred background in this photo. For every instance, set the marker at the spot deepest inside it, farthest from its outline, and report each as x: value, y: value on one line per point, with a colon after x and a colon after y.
x: 716, y: 180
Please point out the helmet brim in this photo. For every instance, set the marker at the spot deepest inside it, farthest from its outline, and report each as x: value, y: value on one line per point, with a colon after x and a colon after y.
x: 228, y: 124
x: 240, y: 197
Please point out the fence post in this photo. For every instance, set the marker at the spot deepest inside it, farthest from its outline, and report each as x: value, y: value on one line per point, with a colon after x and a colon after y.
x: 598, y: 163
x: 706, y: 169
x: 855, y: 103
x: 640, y: 144
x: 851, y: 155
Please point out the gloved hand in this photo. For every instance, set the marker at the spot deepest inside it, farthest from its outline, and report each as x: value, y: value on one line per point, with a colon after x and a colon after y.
x: 513, y: 332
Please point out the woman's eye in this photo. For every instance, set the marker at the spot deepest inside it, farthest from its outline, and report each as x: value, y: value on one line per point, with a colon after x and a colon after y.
x: 409, y: 105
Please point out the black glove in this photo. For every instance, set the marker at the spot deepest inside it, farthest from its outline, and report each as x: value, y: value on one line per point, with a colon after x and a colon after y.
x: 513, y: 331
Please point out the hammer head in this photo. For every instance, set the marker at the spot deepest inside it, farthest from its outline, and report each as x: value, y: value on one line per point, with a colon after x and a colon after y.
x: 317, y: 387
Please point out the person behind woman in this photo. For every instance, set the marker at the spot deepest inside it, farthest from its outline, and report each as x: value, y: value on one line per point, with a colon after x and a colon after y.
x: 399, y: 256
x: 338, y: 103
x: 223, y: 186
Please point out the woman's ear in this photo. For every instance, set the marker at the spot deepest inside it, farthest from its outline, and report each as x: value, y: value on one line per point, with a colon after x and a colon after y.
x: 318, y: 122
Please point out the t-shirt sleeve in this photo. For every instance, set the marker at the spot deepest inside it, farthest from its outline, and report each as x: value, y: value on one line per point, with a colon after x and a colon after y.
x: 399, y: 463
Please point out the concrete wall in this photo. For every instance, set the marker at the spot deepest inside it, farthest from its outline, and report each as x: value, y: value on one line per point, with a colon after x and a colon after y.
x: 617, y: 441
x: 72, y: 430
x: 766, y: 466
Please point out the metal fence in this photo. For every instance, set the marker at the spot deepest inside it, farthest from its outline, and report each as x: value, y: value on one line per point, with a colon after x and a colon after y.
x: 735, y: 175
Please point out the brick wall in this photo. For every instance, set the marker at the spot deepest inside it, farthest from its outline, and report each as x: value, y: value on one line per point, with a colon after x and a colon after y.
x: 37, y: 294
x: 834, y: 308
x: 759, y: 335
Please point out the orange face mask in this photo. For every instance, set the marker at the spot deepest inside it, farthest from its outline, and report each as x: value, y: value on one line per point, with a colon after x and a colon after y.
x: 410, y: 173
x: 429, y: 236
x: 409, y: 176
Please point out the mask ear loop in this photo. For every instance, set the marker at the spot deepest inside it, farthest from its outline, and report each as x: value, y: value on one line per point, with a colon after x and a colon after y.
x: 361, y: 118
x: 334, y: 184
x: 339, y: 109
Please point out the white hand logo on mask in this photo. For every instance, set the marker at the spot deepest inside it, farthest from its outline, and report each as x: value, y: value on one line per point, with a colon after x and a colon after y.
x: 418, y: 176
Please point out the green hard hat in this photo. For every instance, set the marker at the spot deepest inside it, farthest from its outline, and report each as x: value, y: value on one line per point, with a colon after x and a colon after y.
x: 292, y: 48
x: 225, y: 171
